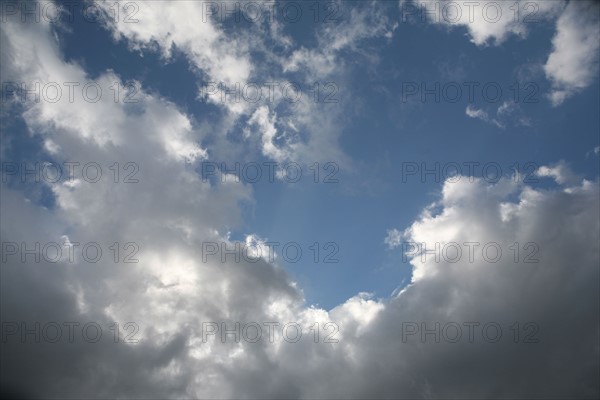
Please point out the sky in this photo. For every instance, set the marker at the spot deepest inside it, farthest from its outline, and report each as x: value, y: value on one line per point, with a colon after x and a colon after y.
x: 297, y: 199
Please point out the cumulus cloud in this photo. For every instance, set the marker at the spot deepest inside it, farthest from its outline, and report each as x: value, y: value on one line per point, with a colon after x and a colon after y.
x: 189, y: 27
x: 573, y: 63
x: 541, y: 292
x: 363, y: 348
x: 171, y: 293
x: 165, y: 216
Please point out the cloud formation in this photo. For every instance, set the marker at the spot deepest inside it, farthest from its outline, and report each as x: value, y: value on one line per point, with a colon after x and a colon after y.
x: 172, y: 292
x: 487, y: 22
x: 571, y: 66
x: 573, y: 63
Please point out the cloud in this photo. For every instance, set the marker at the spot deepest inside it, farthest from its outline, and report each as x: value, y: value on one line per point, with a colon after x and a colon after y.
x: 268, y: 134
x: 543, y: 292
x: 223, y: 56
x: 187, y: 26
x: 482, y: 115
x: 366, y: 21
x: 393, y: 238
x: 573, y: 63
x: 560, y: 172
x: 476, y: 113
x: 508, y: 113
x: 487, y: 22
x: 168, y: 214
x: 171, y: 292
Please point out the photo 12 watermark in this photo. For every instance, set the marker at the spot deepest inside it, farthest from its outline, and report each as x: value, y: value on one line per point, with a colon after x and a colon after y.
x: 55, y: 12
x: 455, y: 171
x: 470, y: 91
x: 270, y: 172
x: 470, y: 252
x: 257, y: 12
x: 271, y: 332
x: 468, y: 332
x: 291, y: 252
x: 130, y: 92
x: 470, y: 12
x: 72, y: 92
x: 69, y: 252
x: 67, y: 332
x: 70, y: 173
x: 254, y: 92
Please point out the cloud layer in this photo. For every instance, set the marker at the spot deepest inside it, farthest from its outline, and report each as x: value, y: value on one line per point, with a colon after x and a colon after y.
x: 171, y: 293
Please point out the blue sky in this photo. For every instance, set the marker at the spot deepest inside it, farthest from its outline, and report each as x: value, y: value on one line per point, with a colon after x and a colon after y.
x: 377, y: 63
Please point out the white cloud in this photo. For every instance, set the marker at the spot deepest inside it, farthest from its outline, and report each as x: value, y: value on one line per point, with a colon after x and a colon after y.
x: 476, y: 113
x: 560, y: 172
x: 367, y: 21
x: 506, y: 108
x: 507, y: 114
x: 573, y: 63
x: 188, y: 27
x: 473, y: 112
x: 488, y: 22
x: 221, y: 56
x: 268, y: 134
x: 393, y: 238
